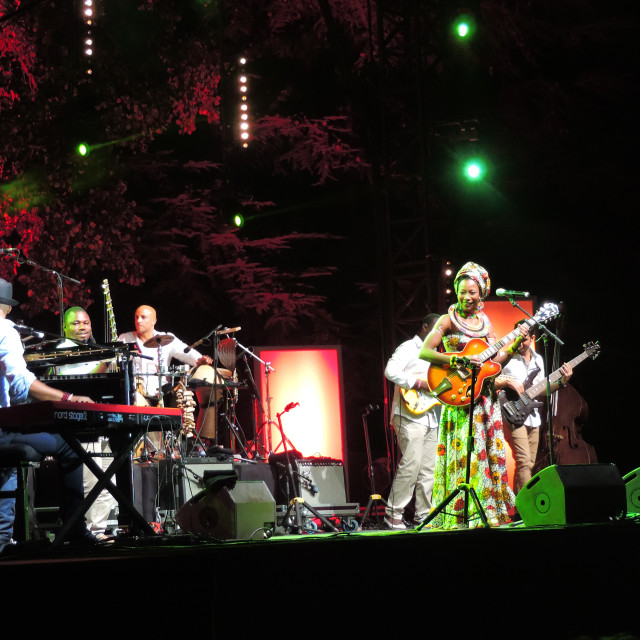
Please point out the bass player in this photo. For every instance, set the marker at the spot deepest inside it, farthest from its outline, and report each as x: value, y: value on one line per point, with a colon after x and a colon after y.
x: 525, y: 369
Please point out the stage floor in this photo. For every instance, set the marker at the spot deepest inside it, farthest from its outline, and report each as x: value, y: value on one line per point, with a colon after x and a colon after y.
x: 573, y: 581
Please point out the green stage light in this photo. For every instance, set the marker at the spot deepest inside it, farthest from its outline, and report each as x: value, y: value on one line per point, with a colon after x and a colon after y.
x: 474, y: 170
x: 464, y: 27
x: 238, y: 220
x: 83, y: 149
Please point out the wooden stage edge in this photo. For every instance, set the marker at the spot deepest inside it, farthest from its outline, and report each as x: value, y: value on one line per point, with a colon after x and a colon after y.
x: 573, y: 581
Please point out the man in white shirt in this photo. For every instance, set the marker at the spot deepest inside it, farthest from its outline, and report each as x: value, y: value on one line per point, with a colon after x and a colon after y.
x: 416, y: 430
x: 165, y: 347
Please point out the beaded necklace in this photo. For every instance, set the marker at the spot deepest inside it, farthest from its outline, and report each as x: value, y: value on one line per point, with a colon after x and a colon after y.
x: 459, y: 321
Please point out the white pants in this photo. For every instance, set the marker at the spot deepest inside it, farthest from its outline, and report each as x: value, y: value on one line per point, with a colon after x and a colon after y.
x: 98, y: 513
x: 417, y: 444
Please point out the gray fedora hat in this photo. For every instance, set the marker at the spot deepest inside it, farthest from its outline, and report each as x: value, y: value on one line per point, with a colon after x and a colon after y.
x: 6, y: 293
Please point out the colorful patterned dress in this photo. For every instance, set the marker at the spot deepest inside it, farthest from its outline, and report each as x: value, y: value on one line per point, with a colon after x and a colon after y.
x: 488, y: 461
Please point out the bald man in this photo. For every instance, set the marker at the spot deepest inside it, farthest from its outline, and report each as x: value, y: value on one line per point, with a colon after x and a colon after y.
x: 145, y: 318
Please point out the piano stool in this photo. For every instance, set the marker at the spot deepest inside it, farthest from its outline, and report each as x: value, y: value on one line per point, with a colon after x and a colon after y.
x: 23, y: 458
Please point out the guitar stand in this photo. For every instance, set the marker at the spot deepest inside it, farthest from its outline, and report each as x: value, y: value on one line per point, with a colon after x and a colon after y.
x: 374, y: 497
x: 466, y: 487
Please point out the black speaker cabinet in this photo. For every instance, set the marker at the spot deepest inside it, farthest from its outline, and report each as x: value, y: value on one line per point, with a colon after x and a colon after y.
x: 632, y: 485
x: 242, y: 512
x: 577, y: 493
x: 180, y: 480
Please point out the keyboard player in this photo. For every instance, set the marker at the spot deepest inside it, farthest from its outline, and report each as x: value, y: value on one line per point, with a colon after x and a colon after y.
x: 77, y: 328
x: 17, y: 386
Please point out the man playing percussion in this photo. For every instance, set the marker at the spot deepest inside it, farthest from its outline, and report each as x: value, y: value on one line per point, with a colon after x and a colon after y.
x: 159, y: 349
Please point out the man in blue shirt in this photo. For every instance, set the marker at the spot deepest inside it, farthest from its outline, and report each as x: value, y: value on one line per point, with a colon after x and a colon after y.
x: 17, y: 386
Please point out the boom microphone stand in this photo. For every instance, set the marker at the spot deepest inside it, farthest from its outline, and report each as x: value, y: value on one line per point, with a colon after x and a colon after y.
x: 58, y: 276
x: 296, y: 503
x: 268, y: 369
x: 466, y: 487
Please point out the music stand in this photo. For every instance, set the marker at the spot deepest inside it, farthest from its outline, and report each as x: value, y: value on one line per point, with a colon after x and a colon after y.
x: 466, y: 487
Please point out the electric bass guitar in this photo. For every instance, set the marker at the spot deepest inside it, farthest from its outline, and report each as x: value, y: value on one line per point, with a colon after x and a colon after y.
x: 452, y: 385
x: 517, y: 411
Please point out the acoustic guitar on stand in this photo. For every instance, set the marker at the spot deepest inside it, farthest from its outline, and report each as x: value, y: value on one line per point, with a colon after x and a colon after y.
x: 452, y: 385
x: 518, y: 410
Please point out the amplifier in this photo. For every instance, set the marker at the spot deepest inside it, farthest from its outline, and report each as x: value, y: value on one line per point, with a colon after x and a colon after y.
x: 320, y: 483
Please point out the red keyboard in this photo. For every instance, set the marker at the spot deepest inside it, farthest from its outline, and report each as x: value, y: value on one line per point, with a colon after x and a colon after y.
x: 54, y: 416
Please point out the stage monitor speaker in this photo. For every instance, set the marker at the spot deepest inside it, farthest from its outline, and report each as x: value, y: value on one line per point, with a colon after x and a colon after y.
x: 571, y: 494
x: 632, y: 487
x: 244, y: 511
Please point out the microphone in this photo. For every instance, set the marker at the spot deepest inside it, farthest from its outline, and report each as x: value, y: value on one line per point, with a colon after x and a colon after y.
x: 291, y: 405
x: 28, y: 331
x: 507, y: 293
x: 195, y: 344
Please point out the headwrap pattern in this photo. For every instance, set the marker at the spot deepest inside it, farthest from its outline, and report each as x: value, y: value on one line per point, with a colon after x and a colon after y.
x: 478, y: 274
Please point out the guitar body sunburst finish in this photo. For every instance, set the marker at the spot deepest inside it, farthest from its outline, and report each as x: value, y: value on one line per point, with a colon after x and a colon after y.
x: 452, y: 385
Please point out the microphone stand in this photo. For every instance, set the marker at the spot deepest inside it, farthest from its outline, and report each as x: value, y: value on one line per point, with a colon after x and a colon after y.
x: 59, y: 277
x: 547, y: 373
x: 257, y: 401
x: 296, y: 501
x: 267, y: 446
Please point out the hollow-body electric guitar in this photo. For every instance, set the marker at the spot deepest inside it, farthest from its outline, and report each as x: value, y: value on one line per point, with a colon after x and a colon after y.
x: 517, y: 411
x: 452, y: 385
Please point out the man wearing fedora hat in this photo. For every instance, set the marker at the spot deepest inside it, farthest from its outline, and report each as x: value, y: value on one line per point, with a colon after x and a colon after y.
x: 17, y: 385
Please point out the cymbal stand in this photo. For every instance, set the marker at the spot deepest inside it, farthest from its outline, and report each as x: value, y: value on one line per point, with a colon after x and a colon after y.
x: 465, y: 487
x: 296, y: 502
x: 229, y: 416
x: 374, y: 497
x: 160, y: 368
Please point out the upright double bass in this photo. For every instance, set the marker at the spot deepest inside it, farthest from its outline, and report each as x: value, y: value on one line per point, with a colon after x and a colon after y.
x: 569, y: 414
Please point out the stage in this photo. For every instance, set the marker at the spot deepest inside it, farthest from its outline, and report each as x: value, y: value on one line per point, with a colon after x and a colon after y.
x: 518, y: 581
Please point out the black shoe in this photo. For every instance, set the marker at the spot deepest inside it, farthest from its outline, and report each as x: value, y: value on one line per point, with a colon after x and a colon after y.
x: 83, y: 538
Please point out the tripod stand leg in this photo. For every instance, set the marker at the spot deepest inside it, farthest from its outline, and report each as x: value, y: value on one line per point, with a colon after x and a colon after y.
x: 373, y: 499
x: 297, y: 504
x: 439, y: 509
x: 483, y: 516
x: 466, y: 489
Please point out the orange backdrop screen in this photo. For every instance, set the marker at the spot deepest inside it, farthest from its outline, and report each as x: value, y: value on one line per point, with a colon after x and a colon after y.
x: 312, y: 378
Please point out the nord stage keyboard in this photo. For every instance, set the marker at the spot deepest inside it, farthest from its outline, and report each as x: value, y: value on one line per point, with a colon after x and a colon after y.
x: 80, y: 417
